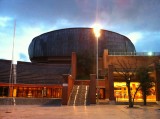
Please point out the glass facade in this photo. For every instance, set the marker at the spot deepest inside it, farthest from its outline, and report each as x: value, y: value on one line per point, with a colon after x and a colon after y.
x: 31, y: 92
x: 121, y: 92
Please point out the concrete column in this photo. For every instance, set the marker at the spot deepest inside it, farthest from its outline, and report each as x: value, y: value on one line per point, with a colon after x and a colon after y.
x: 65, y: 94
x: 65, y: 89
x: 92, y: 89
x: 70, y: 85
x: 10, y: 91
x: 111, y: 83
x: 105, y: 55
x: 106, y: 88
x: 157, y: 86
x: 74, y: 65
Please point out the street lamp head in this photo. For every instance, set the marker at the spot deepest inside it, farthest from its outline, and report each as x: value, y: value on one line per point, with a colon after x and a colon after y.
x: 97, y: 28
x: 150, y: 53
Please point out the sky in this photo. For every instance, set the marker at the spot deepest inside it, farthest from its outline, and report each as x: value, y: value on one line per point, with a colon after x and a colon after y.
x: 139, y: 20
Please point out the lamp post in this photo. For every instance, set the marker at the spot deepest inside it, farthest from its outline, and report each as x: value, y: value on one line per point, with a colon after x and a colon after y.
x: 97, y: 35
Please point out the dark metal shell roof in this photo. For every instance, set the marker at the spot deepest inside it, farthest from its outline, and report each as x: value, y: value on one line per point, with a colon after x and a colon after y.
x: 80, y: 40
x: 40, y: 73
x: 5, y: 67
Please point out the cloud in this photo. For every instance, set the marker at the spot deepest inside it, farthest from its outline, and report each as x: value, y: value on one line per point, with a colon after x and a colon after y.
x: 23, y: 57
x: 6, y: 37
x: 132, y: 14
x: 22, y: 43
x: 148, y: 42
x: 134, y: 36
x: 4, y: 21
x: 137, y: 19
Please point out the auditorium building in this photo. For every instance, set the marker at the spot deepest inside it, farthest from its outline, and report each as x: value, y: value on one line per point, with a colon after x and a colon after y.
x: 63, y: 67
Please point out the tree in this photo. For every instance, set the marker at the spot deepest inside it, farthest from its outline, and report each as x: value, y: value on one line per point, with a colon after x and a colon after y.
x: 146, y: 82
x: 126, y: 68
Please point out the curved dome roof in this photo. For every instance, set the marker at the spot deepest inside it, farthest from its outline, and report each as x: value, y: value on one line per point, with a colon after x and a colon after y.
x: 80, y: 40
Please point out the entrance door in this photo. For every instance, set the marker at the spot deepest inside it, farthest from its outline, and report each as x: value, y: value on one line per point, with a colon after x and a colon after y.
x: 102, y: 93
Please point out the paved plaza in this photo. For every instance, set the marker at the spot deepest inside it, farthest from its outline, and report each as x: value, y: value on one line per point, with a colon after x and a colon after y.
x: 79, y: 112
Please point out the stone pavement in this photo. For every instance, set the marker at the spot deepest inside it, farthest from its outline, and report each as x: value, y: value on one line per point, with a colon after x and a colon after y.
x: 79, y: 112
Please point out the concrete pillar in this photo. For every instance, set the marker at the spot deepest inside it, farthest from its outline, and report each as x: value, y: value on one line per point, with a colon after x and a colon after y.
x: 157, y: 86
x: 92, y: 89
x: 74, y: 65
x: 65, y: 89
x: 65, y: 94
x: 10, y: 91
x: 70, y: 85
x: 105, y: 54
x: 106, y: 88
x: 111, y: 83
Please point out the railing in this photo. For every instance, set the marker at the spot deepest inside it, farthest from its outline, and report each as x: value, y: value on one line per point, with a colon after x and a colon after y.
x: 134, y: 53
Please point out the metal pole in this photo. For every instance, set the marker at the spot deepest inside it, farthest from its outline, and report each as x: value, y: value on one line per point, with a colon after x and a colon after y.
x: 97, y: 75
x: 13, y: 67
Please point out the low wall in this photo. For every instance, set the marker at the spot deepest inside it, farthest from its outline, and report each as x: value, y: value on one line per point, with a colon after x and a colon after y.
x: 82, y: 82
x: 31, y: 101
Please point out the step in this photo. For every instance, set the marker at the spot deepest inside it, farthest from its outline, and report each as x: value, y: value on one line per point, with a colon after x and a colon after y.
x: 78, y: 95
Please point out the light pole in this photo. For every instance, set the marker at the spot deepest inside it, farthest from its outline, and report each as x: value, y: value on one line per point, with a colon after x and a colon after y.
x: 97, y: 35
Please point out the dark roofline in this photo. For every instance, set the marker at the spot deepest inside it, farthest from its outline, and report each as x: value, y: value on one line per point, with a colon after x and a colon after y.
x: 81, y: 28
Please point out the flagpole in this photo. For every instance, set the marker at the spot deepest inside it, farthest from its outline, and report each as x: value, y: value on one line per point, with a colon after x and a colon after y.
x: 12, y: 78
